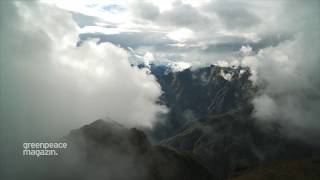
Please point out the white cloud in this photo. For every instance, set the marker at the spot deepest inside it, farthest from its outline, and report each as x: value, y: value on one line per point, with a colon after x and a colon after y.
x: 226, y: 76
x: 50, y: 85
x: 246, y: 50
x: 180, y: 34
x: 179, y: 66
x: 194, y: 24
x: 288, y: 74
x: 223, y: 63
x: 266, y: 108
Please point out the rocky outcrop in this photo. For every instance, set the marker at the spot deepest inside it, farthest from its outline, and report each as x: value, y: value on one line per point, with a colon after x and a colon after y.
x: 105, y: 150
x: 192, y: 94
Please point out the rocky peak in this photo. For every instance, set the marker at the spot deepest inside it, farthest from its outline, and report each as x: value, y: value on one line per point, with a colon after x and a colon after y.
x: 106, y: 150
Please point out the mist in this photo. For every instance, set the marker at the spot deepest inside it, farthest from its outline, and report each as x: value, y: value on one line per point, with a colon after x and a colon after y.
x: 287, y: 74
x: 49, y: 85
x: 64, y: 65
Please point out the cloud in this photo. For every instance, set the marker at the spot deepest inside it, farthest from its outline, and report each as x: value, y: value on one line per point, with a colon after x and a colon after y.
x: 132, y: 39
x: 194, y: 31
x: 288, y: 74
x: 145, y: 10
x: 83, y: 20
x: 184, y: 15
x: 234, y: 14
x: 179, y: 15
x: 49, y: 85
x: 246, y: 50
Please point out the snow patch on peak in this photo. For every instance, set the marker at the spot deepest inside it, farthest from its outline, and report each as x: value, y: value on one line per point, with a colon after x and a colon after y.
x: 226, y: 76
x: 177, y: 66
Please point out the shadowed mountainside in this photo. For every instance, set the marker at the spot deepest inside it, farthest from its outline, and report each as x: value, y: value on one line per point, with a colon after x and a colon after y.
x: 107, y: 150
x: 306, y: 169
x: 232, y: 142
x: 192, y: 94
x: 210, y: 116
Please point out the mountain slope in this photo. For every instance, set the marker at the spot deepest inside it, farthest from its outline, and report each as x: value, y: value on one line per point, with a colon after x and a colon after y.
x: 211, y: 117
x: 107, y: 150
x: 232, y: 142
x: 306, y: 169
x: 192, y: 94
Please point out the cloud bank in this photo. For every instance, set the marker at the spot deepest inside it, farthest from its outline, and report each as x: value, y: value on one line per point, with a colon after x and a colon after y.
x: 189, y: 30
x: 49, y: 85
x: 288, y: 74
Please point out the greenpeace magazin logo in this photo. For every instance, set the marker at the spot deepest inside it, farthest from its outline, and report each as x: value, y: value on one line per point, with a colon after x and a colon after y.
x: 43, y: 149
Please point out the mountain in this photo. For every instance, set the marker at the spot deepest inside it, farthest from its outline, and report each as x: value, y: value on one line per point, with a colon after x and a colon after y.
x: 307, y: 169
x: 232, y: 142
x: 210, y: 116
x: 209, y: 133
x: 107, y: 150
x: 194, y: 93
